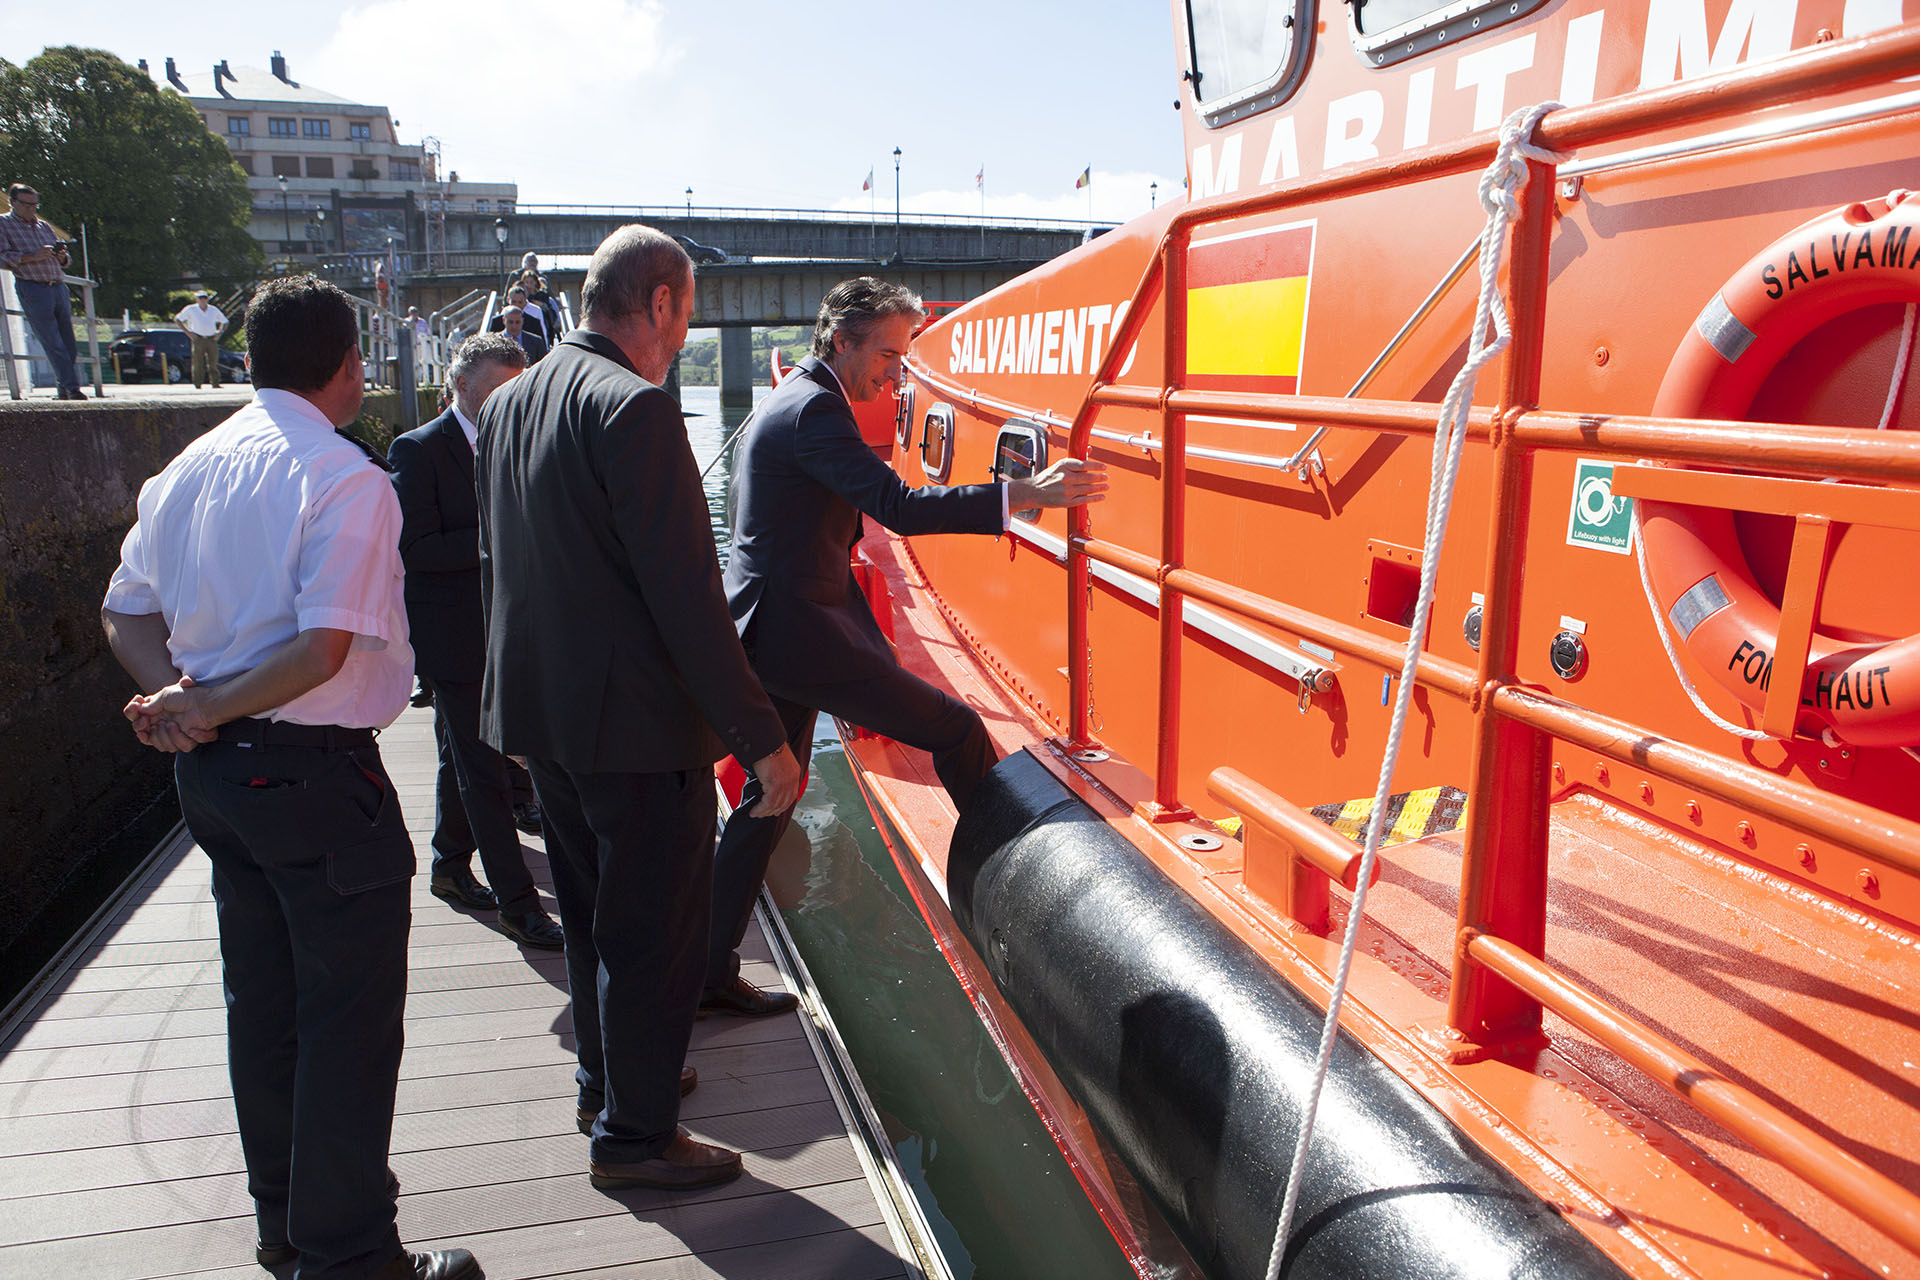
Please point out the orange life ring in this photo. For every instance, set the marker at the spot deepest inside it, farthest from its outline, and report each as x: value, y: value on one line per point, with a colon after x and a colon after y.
x: 1862, y: 255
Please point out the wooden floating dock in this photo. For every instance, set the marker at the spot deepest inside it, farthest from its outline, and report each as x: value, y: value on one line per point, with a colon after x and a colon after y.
x: 119, y: 1158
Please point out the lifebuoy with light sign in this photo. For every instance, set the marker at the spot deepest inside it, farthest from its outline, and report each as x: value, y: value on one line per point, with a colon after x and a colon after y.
x: 1863, y: 255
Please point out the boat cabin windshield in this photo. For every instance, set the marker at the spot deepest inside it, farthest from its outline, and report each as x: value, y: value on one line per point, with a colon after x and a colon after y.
x: 1245, y: 54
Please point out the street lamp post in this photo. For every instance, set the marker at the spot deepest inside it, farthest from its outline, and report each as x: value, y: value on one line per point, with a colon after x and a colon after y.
x: 689, y: 202
x: 500, y: 237
x: 1153, y: 195
x: 320, y: 216
x: 286, y: 218
x: 896, y: 204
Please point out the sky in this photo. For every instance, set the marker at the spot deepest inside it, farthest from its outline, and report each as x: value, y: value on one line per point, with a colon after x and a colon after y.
x: 750, y: 103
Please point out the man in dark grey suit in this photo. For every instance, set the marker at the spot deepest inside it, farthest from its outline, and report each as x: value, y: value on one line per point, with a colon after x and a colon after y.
x: 440, y: 546
x: 803, y: 478
x: 613, y: 666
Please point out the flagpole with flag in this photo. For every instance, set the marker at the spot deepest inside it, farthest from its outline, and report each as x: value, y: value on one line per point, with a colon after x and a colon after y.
x: 873, y: 217
x: 980, y: 181
x: 1086, y: 180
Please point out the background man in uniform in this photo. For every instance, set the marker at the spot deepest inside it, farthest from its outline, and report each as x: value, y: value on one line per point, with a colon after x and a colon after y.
x: 612, y: 666
x: 440, y: 545
x: 204, y: 324
x: 258, y: 605
x: 38, y: 260
x: 803, y: 478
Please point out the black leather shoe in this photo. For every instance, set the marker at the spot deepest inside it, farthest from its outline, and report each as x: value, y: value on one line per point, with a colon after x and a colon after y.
x: 422, y: 697
x: 685, y: 1164
x: 463, y: 888
x: 437, y: 1264
x: 534, y: 928
x: 274, y: 1254
x: 583, y: 1118
x: 527, y: 817
x: 743, y: 998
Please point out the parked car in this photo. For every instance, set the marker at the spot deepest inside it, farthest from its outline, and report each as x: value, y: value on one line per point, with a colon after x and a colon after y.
x: 166, y: 355
x: 702, y: 254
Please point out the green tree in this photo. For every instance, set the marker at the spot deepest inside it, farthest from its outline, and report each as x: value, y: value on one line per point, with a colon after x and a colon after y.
x: 158, y: 194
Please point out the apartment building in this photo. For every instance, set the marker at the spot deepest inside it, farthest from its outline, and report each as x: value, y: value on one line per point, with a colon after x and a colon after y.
x: 327, y: 174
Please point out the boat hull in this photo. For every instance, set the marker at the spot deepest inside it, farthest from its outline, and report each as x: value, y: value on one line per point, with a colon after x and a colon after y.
x: 1191, y: 1056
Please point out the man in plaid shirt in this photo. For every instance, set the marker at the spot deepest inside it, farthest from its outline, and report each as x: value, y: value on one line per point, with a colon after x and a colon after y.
x: 30, y: 250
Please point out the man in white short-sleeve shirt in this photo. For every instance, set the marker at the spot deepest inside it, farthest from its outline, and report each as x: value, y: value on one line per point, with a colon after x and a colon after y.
x: 204, y: 324
x: 258, y: 605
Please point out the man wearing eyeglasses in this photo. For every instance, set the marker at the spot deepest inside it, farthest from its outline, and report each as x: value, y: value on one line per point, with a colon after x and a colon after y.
x: 38, y: 260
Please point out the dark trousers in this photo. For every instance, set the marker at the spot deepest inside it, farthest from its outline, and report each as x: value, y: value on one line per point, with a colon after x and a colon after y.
x: 473, y: 799
x: 899, y: 705
x: 632, y: 868
x: 49, y: 310
x: 310, y: 868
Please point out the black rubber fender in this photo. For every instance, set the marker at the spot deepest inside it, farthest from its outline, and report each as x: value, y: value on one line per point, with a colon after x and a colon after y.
x: 1191, y: 1056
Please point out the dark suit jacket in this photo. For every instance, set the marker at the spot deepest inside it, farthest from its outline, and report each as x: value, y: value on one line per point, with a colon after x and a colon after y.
x: 609, y: 648
x: 440, y: 547
x: 802, y: 478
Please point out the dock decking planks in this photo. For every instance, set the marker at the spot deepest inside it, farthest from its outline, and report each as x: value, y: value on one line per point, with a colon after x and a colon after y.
x: 119, y: 1160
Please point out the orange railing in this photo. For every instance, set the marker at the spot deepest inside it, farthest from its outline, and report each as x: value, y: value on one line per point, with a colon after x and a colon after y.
x: 1501, y: 982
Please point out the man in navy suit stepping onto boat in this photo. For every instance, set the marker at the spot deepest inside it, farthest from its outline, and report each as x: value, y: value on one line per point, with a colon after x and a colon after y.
x: 803, y: 481
x: 440, y: 546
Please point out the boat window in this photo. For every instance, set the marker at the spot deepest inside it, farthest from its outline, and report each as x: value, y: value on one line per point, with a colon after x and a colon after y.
x: 1390, y: 31
x: 1020, y: 451
x: 1245, y: 55
x: 936, y: 444
x: 903, y: 417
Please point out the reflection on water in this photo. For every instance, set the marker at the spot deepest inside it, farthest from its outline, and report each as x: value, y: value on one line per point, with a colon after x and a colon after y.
x: 999, y: 1197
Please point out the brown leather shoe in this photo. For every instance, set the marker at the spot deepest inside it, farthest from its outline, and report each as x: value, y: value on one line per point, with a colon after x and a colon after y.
x: 685, y: 1164
x: 584, y: 1118
x: 748, y: 1001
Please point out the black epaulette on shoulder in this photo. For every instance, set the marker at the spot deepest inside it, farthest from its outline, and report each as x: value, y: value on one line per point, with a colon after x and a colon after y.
x: 374, y: 456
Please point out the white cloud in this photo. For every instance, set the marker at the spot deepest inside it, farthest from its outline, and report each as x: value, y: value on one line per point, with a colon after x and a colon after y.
x: 482, y: 76
x: 1116, y: 197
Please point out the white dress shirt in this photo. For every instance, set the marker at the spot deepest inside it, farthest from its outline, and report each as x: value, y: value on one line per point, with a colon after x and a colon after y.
x: 201, y: 321
x: 473, y: 432
x: 1006, y: 510
x: 269, y: 525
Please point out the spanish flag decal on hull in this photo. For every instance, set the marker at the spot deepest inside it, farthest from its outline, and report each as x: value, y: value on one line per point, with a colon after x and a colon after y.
x: 1247, y: 309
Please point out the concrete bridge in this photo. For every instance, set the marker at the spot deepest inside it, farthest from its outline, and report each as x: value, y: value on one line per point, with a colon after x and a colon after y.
x: 778, y: 263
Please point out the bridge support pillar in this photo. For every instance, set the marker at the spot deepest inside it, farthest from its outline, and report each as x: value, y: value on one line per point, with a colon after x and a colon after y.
x: 736, y: 367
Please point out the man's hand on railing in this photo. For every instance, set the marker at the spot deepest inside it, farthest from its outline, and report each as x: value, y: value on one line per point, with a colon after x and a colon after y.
x: 1069, y: 482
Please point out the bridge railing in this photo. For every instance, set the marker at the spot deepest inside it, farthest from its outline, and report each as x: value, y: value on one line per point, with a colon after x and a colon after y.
x: 697, y: 213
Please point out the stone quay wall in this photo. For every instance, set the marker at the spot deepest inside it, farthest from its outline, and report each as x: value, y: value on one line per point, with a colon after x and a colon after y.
x: 83, y: 801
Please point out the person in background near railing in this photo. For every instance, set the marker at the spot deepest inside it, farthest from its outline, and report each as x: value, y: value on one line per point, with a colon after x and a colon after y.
x: 514, y: 324
x: 204, y: 324
x: 803, y: 481
x: 542, y: 298
x: 440, y: 545
x: 421, y: 330
x: 532, y: 318
x: 38, y: 260
x: 258, y: 605
x: 528, y: 262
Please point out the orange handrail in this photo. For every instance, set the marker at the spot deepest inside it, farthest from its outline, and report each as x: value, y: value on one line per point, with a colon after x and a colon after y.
x: 1501, y: 983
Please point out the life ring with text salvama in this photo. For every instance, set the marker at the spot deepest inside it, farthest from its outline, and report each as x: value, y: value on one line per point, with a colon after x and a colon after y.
x: 1862, y: 693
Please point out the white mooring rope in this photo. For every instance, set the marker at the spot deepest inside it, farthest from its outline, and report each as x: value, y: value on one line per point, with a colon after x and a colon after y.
x: 1500, y: 186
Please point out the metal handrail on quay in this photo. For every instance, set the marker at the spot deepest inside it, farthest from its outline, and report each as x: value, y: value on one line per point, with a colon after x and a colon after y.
x: 11, y: 359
